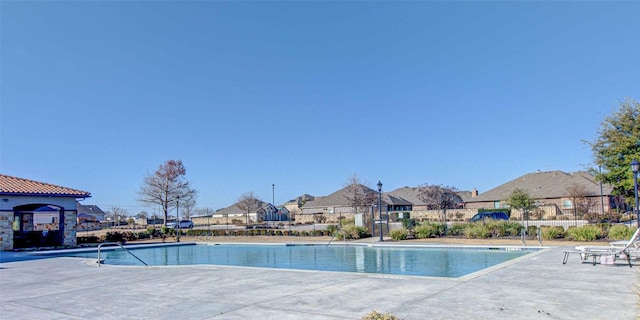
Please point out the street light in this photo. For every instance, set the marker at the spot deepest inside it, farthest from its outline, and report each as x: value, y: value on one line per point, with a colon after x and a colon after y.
x: 380, y: 208
x: 635, y: 167
x: 177, y: 220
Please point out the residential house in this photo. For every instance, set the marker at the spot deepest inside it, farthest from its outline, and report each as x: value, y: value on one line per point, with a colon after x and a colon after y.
x: 234, y: 214
x: 552, y: 189
x: 90, y: 210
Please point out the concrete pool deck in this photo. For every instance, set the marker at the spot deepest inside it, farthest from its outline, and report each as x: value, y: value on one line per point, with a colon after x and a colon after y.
x: 538, y: 286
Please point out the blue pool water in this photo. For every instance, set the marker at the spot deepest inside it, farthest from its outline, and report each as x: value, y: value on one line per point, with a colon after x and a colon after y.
x: 438, y: 262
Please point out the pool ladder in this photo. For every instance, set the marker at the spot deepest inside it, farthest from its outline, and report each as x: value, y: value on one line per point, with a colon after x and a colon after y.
x: 121, y: 246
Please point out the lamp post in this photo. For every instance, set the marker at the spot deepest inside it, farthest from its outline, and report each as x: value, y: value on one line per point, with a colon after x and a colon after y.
x: 635, y: 167
x: 273, y: 202
x: 177, y: 219
x: 380, y: 208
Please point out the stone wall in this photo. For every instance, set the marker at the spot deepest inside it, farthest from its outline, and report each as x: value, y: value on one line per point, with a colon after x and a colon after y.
x: 70, y: 220
x: 6, y: 230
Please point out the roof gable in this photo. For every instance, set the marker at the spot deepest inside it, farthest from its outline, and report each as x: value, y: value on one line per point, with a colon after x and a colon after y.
x: 19, y: 186
x: 545, y: 185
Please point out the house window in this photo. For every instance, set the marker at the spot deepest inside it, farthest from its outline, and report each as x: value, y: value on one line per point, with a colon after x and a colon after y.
x: 496, y: 204
x: 567, y: 204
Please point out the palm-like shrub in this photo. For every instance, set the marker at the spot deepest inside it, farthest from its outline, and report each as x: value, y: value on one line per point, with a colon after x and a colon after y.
x: 550, y: 233
x: 584, y: 233
x: 477, y: 230
x: 620, y: 232
x: 399, y: 234
x: 429, y: 230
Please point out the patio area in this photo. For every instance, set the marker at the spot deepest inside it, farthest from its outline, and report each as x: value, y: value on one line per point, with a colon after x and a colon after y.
x: 536, y: 287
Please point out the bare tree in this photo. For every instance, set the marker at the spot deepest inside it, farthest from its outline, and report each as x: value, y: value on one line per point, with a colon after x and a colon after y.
x: 189, y: 207
x: 582, y: 203
x: 117, y: 214
x: 358, y: 196
x: 167, y: 186
x: 439, y: 197
x: 248, y: 202
x: 142, y: 215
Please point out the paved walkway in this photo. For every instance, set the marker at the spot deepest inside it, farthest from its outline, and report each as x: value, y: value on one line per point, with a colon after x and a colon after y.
x: 536, y: 286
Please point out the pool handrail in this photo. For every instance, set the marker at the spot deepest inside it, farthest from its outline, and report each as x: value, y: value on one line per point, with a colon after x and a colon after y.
x: 121, y: 246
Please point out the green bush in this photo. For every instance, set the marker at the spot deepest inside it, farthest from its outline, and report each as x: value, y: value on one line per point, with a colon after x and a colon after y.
x: 399, y: 234
x: 584, y: 233
x: 332, y: 228
x: 429, y: 230
x: 502, y: 228
x: 477, y: 230
x: 532, y: 230
x: 620, y: 232
x: 551, y: 233
x: 408, y: 223
x: 512, y: 228
x: 457, y: 229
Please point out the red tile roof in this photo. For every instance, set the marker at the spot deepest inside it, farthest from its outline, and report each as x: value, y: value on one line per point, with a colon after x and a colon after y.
x: 18, y: 186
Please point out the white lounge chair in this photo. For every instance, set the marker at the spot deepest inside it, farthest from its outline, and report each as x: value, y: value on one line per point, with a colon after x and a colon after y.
x: 615, y: 250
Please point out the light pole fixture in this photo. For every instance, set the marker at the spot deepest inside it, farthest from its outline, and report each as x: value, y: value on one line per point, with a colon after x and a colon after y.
x: 177, y: 219
x: 635, y: 167
x: 380, y: 208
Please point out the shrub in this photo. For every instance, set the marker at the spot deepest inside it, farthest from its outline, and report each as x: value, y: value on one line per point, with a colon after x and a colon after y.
x: 399, y: 234
x: 332, y: 228
x: 512, y: 228
x: 477, y: 231
x: 408, y: 223
x: 429, y: 230
x: 550, y: 233
x: 375, y: 315
x: 87, y: 239
x: 457, y: 229
x: 532, y: 230
x: 620, y: 232
x: 584, y: 233
x: 114, y: 236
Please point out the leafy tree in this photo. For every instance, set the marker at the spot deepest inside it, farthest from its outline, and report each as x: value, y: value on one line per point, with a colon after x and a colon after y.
x: 617, y: 144
x: 248, y: 202
x: 167, y: 186
x: 520, y: 199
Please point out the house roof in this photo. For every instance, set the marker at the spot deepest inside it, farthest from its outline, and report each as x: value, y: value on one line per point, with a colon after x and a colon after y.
x: 545, y: 185
x: 235, y: 208
x: 88, y: 209
x: 411, y: 195
x: 338, y: 198
x: 19, y: 186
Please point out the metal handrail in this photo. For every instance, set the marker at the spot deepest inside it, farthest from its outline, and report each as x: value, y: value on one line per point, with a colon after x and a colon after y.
x: 123, y: 248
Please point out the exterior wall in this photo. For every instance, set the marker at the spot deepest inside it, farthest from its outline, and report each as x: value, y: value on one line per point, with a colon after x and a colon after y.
x: 9, y: 202
x: 222, y: 220
x: 6, y: 230
x: 70, y: 220
x: 556, y: 202
x: 551, y: 212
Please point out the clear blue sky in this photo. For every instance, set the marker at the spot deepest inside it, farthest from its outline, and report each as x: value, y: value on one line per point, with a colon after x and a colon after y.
x: 95, y: 95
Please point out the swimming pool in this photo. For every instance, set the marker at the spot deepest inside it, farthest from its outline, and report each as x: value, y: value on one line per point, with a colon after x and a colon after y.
x: 396, y: 260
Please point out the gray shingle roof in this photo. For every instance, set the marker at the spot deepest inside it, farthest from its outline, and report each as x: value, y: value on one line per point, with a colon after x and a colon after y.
x: 544, y: 185
x: 338, y: 198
